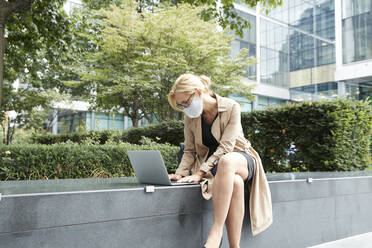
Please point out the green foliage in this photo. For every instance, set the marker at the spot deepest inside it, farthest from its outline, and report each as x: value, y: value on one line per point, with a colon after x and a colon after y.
x: 42, y: 43
x: 21, y: 136
x: 95, y: 137
x: 329, y: 136
x: 98, y: 4
x: 164, y: 132
x: 145, y: 52
x: 37, y: 40
x: 23, y: 162
x: 222, y: 12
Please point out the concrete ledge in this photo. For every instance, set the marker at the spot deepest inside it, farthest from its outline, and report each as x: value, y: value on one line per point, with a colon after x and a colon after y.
x: 116, y: 212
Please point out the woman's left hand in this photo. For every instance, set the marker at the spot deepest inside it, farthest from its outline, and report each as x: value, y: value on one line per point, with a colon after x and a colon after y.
x: 190, y: 179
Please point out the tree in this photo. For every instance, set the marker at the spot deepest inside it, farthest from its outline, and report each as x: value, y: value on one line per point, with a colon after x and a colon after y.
x: 6, y: 10
x: 31, y: 26
x: 34, y: 51
x: 139, y: 56
x: 223, y: 12
x: 36, y: 46
x: 27, y: 54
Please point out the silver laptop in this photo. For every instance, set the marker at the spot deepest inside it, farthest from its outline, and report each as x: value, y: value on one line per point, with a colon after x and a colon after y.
x: 149, y: 167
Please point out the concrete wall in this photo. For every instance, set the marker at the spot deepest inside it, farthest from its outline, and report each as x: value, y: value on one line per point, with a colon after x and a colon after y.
x: 118, y: 213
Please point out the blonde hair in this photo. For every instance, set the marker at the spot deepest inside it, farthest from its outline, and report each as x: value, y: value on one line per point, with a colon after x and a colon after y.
x: 188, y: 83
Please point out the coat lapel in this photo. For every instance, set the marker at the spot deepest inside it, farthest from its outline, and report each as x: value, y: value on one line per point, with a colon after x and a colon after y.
x: 222, y: 106
x: 199, y: 137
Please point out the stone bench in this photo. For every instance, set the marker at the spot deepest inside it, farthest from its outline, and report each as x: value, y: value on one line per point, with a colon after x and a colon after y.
x: 117, y: 212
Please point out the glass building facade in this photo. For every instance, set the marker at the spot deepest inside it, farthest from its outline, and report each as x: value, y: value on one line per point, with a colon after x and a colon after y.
x: 295, y: 45
x: 80, y: 121
x: 70, y: 5
x: 274, y: 59
x: 356, y: 30
x: 248, y: 40
x: 312, y: 34
x: 71, y: 121
x: 355, y: 39
x: 303, y: 37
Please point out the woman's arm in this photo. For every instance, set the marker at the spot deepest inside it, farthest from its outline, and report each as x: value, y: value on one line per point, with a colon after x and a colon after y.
x: 228, y: 139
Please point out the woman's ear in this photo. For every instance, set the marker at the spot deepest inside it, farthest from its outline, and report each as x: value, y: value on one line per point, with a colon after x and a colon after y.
x: 200, y: 92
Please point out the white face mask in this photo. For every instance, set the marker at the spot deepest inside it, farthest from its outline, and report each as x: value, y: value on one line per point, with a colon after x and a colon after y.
x: 195, y: 109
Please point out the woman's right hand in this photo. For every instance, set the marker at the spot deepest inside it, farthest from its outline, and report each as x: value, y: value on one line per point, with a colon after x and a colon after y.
x: 174, y: 177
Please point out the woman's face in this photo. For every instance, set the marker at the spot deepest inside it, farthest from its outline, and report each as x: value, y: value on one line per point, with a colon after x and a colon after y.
x: 190, y: 104
x: 184, y: 99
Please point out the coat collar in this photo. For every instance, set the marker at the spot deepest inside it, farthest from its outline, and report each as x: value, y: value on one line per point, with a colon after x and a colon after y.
x: 222, y: 104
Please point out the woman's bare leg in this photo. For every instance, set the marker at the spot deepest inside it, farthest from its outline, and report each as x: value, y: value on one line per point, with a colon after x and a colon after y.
x: 229, y: 165
x: 234, y: 220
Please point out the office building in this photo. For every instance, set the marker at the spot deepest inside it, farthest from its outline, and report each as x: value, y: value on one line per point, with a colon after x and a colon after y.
x: 308, y: 50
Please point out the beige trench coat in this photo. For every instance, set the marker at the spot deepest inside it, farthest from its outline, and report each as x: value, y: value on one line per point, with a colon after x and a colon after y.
x: 227, y: 130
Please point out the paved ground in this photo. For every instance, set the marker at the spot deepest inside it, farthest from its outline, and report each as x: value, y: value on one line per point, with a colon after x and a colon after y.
x: 358, y: 241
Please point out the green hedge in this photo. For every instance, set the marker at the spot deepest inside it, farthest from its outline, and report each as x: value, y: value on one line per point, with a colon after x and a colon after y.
x: 23, y: 162
x: 166, y: 132
x: 328, y: 135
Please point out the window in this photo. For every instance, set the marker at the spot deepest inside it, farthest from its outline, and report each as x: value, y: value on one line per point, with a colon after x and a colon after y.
x: 356, y: 30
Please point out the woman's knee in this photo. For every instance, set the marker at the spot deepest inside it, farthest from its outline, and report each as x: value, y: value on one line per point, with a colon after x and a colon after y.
x: 225, y: 162
x: 233, y: 162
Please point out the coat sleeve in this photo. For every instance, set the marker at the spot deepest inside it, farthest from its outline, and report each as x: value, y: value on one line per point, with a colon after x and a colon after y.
x: 189, y: 153
x: 228, y: 138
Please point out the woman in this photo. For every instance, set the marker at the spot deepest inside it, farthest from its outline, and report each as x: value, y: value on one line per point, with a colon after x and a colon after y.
x: 218, y: 155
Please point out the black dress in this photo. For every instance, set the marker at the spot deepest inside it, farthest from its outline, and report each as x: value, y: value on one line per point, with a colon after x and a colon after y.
x: 210, y: 141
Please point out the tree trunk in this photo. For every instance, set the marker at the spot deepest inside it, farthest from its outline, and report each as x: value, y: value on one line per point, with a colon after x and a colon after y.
x: 8, y: 132
x: 4, y: 133
x: 4, y: 125
x: 9, y: 136
x: 135, y: 120
x: 2, y: 47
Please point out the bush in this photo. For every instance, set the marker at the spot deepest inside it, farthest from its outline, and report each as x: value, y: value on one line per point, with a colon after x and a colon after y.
x: 166, y: 132
x: 328, y: 135
x: 69, y: 160
x: 100, y: 137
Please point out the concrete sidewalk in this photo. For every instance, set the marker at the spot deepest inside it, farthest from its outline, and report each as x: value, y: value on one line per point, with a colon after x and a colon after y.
x: 358, y: 241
